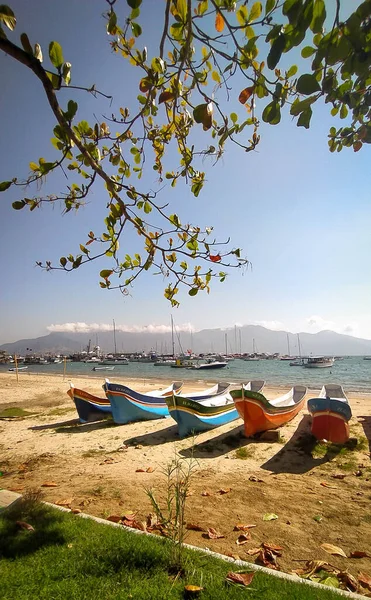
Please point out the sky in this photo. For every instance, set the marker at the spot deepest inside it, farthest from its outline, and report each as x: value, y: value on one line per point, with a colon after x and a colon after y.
x: 301, y: 214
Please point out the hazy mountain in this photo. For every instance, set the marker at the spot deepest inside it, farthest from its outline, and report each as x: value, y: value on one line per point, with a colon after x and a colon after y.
x: 208, y: 340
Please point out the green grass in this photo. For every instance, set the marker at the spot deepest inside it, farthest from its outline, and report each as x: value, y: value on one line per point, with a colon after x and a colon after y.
x: 14, y: 411
x: 244, y: 453
x: 58, y: 412
x: 74, y: 558
x: 322, y: 449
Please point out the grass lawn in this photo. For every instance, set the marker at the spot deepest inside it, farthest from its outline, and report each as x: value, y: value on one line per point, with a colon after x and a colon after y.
x: 67, y: 557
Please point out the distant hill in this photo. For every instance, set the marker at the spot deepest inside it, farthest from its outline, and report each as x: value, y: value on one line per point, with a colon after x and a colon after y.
x: 207, y: 340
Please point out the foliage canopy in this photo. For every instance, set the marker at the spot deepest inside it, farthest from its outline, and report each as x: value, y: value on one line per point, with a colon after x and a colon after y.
x: 203, y: 50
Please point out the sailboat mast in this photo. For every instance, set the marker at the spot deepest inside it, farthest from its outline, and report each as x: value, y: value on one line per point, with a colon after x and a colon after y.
x: 172, y: 336
x: 235, y: 338
x: 288, y: 344
x: 114, y: 335
x: 239, y: 332
x: 226, y: 344
x: 299, y: 345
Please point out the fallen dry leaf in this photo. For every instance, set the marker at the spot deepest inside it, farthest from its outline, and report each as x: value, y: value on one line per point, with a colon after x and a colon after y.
x: 114, y: 519
x: 273, y: 548
x: 64, y: 502
x: 224, y: 491
x: 267, y: 559
x: 270, y: 517
x: 338, y: 476
x: 335, y: 550
x: 150, y: 470
x: 348, y: 580
x: 24, y: 525
x: 328, y: 485
x: 205, y: 493
x: 254, y: 478
x: 140, y: 470
x: 49, y: 484
x: 243, y: 538
x: 213, y: 534
x: 364, y: 580
x: 135, y: 524
x: 253, y: 551
x: 75, y: 511
x: 151, y: 521
x: 194, y: 527
x: 359, y: 554
x: 242, y: 527
x: 240, y: 578
x: 130, y: 516
x: 234, y: 556
x: 192, y: 590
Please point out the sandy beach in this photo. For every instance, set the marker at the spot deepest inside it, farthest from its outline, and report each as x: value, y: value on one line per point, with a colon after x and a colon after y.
x: 103, y: 469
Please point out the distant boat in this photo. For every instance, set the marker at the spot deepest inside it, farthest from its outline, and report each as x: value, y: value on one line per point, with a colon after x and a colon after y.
x: 211, y: 364
x: 297, y: 363
x: 164, y: 363
x: 367, y: 358
x: 89, y: 408
x: 319, y: 362
x: 103, y: 368
x: 114, y: 361
x: 18, y: 368
x: 193, y: 415
x: 330, y: 414
x: 260, y: 414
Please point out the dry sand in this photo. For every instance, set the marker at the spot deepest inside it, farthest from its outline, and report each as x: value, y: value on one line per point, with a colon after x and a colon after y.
x: 94, y: 468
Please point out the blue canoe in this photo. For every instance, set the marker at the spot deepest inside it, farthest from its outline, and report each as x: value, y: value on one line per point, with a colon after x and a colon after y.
x: 129, y: 405
x: 194, y: 415
x: 89, y: 408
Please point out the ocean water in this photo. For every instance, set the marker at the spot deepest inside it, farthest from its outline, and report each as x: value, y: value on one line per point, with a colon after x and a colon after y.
x: 354, y: 373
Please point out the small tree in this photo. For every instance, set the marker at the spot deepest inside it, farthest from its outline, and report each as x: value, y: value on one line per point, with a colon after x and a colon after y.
x: 182, y: 88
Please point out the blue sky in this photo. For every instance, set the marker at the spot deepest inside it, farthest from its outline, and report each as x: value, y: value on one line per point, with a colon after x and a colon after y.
x: 301, y: 214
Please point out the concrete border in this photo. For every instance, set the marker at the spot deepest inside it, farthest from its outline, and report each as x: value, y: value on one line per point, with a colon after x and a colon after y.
x: 223, y: 557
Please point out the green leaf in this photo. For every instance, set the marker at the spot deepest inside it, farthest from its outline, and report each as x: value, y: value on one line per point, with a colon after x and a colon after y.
x: 298, y: 107
x: 307, y: 84
x: 275, y: 52
x: 292, y: 71
x: 66, y: 73
x: 136, y: 29
x: 4, y: 185
x: 292, y: 9
x: 112, y: 23
x: 270, y: 517
x: 308, y: 51
x: 63, y: 261
x: 105, y: 273
x: 304, y: 119
x: 18, y: 204
x: 134, y: 3
x: 331, y: 581
x: 269, y: 5
x: 56, y: 54
x: 72, y: 107
x: 343, y: 112
x: 55, y: 79
x: 7, y: 17
x: 193, y: 291
x: 147, y: 207
x: 234, y: 117
x: 34, y: 166
x: 26, y: 44
x: 272, y: 113
x: 256, y: 11
x: 319, y: 16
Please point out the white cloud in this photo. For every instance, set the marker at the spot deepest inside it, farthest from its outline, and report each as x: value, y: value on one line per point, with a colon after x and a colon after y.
x: 275, y: 325
x: 96, y: 327
x: 315, y: 322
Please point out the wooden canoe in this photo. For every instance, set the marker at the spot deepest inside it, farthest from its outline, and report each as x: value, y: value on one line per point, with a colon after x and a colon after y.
x: 260, y: 414
x: 89, y: 408
x: 331, y: 413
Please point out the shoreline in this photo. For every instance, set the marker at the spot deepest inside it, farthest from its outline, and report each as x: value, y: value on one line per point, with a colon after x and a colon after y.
x: 161, y: 380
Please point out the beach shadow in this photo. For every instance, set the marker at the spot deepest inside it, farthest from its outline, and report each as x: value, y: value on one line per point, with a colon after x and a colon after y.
x: 217, y: 446
x: 366, y: 424
x: 74, y: 426
x: 296, y: 455
x: 155, y: 438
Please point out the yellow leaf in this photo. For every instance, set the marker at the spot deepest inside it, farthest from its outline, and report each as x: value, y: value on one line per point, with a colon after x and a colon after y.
x: 219, y: 22
x: 330, y: 549
x: 256, y: 11
x: 215, y: 76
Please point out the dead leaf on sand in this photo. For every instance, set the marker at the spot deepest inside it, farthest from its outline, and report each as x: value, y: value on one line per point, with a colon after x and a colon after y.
x: 24, y: 525
x: 75, y: 511
x: 150, y: 470
x: 240, y: 578
x: 114, y: 519
x: 256, y: 479
x: 359, y: 554
x: 135, y: 524
x: 205, y: 493
x: 194, y: 527
x: 328, y: 485
x: 224, y: 491
x: 243, y: 539
x: 140, y: 470
x: 234, y: 556
x: 129, y: 516
x: 213, y: 534
x: 338, y: 476
x: 253, y: 551
x: 242, y: 527
x: 49, y: 484
x: 335, y: 550
x: 64, y: 502
x: 270, y: 517
x: 364, y: 580
x: 348, y: 581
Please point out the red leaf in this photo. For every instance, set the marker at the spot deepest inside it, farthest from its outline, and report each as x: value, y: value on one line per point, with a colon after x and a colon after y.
x: 49, y: 484
x: 219, y: 22
x: 129, y: 516
x: 243, y: 539
x: 66, y: 502
x: 216, y: 258
x: 114, y: 519
x: 359, y: 554
x: 364, y: 580
x: 240, y: 578
x: 165, y: 97
x: 213, y: 534
x: 241, y: 527
x: 273, y: 548
x: 135, y: 525
x: 245, y: 94
x: 140, y: 470
x: 325, y: 484
x: 24, y: 525
x: 224, y: 491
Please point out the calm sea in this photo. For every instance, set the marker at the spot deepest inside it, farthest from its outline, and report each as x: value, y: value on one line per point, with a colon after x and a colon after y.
x: 352, y: 373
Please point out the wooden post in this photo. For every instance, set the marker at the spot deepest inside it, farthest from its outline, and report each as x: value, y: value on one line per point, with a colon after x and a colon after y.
x: 64, y: 367
x: 16, y: 367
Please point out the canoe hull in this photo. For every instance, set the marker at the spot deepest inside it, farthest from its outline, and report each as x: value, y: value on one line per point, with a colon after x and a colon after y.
x: 193, y: 417
x: 89, y: 408
x: 260, y: 415
x: 330, y: 419
x: 129, y: 406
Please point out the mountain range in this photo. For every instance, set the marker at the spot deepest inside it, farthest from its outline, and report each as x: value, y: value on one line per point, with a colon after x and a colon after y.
x: 246, y: 339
